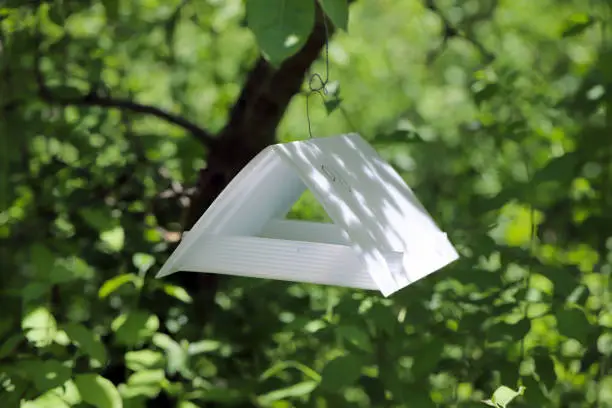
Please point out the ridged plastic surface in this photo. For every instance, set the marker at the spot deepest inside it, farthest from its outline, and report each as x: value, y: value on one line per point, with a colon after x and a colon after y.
x: 380, y: 228
x: 278, y: 259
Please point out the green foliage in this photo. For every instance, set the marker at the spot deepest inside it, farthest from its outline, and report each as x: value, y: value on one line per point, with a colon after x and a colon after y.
x: 503, y: 396
x: 341, y: 372
x: 501, y: 129
x: 338, y: 12
x: 281, y: 27
x: 98, y: 391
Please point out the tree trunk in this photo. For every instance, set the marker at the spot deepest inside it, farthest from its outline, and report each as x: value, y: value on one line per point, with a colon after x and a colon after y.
x: 251, y: 127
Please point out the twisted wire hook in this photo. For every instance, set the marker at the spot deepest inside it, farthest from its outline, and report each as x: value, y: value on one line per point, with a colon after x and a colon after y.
x: 321, y: 89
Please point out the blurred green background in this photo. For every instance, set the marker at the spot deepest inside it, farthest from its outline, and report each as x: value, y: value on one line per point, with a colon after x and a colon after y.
x: 497, y: 113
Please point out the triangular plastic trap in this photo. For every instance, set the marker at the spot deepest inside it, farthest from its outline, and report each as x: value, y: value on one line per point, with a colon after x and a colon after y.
x: 382, y: 237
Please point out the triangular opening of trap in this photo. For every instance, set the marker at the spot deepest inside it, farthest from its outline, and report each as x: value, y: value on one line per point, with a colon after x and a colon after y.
x: 308, y: 208
x: 306, y: 221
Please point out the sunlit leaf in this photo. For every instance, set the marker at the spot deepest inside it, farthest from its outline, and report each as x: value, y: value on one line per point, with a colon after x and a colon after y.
x: 284, y: 365
x: 297, y: 390
x: 203, y: 346
x: 175, y: 354
x: 113, y: 238
x: 178, y: 293
x: 143, y: 262
x: 503, y: 396
x: 39, y: 327
x: 144, y: 359
x: 146, y: 382
x: 111, y: 285
x: 47, y: 400
x: 604, y: 344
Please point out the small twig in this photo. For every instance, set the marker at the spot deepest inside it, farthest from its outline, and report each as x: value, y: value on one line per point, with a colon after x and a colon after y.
x: 94, y: 99
x: 450, y: 31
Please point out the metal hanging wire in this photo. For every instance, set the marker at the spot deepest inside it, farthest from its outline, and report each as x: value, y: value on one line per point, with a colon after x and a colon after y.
x: 321, y: 87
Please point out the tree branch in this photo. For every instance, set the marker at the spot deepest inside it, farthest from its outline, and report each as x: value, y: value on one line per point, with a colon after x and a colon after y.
x: 252, y: 125
x: 449, y: 31
x: 94, y: 99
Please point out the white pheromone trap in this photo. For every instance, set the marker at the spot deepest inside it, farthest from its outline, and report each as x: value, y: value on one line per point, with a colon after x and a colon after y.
x: 382, y: 237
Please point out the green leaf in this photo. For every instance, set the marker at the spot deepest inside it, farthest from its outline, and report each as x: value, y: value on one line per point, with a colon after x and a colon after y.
x: 503, y: 396
x: 513, y: 332
x: 563, y: 280
x: 88, y: 342
x: 113, y: 238
x: 111, y: 285
x: 283, y: 365
x: 417, y: 397
x: 337, y: 11
x: 97, y: 218
x: 203, y: 346
x: 427, y: 358
x: 281, y: 27
x: 545, y: 368
x: 42, y: 259
x: 39, y: 327
x: 143, y: 262
x: 175, y: 354
x: 9, y: 346
x: 178, y: 293
x: 574, y: 324
x: 297, y: 390
x: 112, y: 10
x: 34, y: 292
x: 135, y: 327
x: 561, y: 169
x: 509, y: 371
x: 225, y: 395
x: 577, y: 24
x: 47, y: 400
x: 375, y: 390
x: 46, y: 375
x: 383, y: 318
x: 486, y: 93
x: 341, y: 372
x: 535, y: 397
x: 484, y: 280
x: 356, y: 336
x: 147, y: 377
x: 98, y: 391
x: 186, y: 404
x: 144, y: 359
x: 604, y: 344
x: 399, y: 136
x: 332, y: 104
x: 138, y: 391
